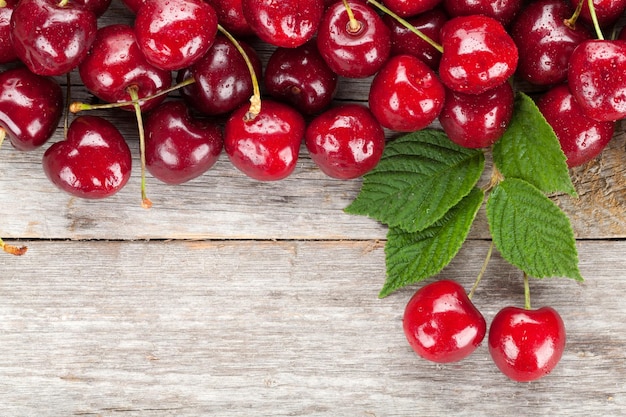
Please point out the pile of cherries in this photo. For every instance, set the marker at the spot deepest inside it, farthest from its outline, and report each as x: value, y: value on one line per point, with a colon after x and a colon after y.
x: 452, y: 61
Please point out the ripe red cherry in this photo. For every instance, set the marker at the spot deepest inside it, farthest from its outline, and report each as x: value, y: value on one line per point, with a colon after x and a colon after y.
x: 544, y: 42
x: 173, y: 34
x: 477, y: 120
x: 409, y: 8
x: 230, y: 16
x: 115, y: 63
x: 597, y: 78
x: 265, y: 148
x: 98, y: 7
x: 180, y: 147
x: 442, y: 324
x: 526, y: 344
x: 31, y: 107
x: 406, y: 94
x: 286, y: 23
x: 478, y: 54
x: 607, y: 11
x: 51, y: 39
x: 345, y: 142
x: 581, y: 137
x: 353, y: 52
x: 93, y: 162
x: 7, y: 52
x: 503, y: 11
x: 300, y: 77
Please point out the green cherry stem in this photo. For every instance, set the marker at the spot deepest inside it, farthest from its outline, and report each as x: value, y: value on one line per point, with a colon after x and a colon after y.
x: 526, y: 292
x: 594, y: 19
x: 407, y: 25
x: 3, y: 3
x: 481, y: 273
x: 571, y: 22
x: 133, y: 91
x: 355, y: 25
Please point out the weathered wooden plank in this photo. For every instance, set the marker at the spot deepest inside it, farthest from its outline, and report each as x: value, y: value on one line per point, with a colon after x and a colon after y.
x: 280, y: 328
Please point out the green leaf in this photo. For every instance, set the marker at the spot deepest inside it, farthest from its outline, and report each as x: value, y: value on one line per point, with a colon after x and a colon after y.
x: 419, y: 178
x: 531, y: 232
x: 530, y: 150
x: 412, y: 257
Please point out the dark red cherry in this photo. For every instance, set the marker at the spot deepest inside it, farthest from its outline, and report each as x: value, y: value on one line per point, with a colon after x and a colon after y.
x: 410, y: 8
x: 179, y: 146
x: 526, y: 344
x: 223, y: 81
x: 230, y: 16
x: 597, y: 78
x: 404, y: 41
x: 115, y: 63
x: 477, y: 120
x: 478, y: 54
x: 345, y: 142
x: 354, y: 52
x: 52, y: 38
x: 504, y: 11
x: 300, y: 77
x: 286, y: 23
x: 442, y: 324
x: 581, y: 138
x: 98, y: 7
x: 267, y: 147
x: 544, y: 42
x: 133, y: 5
x: 93, y: 162
x: 607, y: 12
x: 173, y: 34
x: 31, y: 107
x: 7, y: 52
x: 406, y: 95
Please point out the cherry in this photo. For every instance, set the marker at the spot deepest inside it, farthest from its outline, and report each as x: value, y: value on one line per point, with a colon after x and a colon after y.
x: 478, y: 54
x: 52, y: 38
x: 526, y: 344
x: 301, y: 77
x: 93, y: 162
x: 230, y: 16
x: 115, y: 64
x: 404, y: 41
x: 410, y: 8
x: 581, y: 137
x: 545, y: 42
x: 607, y: 12
x: 442, y: 324
x: 597, y: 78
x: 133, y: 5
x: 286, y: 23
x: 477, y: 120
x: 345, y: 142
x: 504, y: 11
x: 173, y: 34
x: 98, y: 7
x: 180, y: 147
x: 406, y: 95
x: 265, y: 148
x: 7, y: 52
x: 31, y: 107
x: 354, y: 48
x: 222, y: 78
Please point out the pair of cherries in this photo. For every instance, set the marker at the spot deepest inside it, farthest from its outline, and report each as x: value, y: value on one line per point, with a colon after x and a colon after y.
x: 442, y: 325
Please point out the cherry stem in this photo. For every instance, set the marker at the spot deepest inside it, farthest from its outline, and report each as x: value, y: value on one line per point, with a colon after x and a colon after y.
x: 481, y: 273
x: 63, y: 3
x: 571, y: 22
x: 3, y: 3
x: 68, y: 99
x: 255, y: 100
x: 594, y: 19
x: 133, y: 91
x: 3, y: 134
x: 354, y: 25
x: 79, y: 106
x: 407, y: 25
x: 13, y: 250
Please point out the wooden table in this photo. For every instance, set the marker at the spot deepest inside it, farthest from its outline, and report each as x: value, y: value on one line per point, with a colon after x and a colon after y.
x: 232, y: 297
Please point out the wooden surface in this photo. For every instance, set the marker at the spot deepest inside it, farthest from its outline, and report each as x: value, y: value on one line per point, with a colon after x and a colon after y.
x: 232, y: 297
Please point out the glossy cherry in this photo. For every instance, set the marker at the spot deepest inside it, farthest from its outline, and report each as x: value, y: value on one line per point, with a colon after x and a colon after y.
x: 115, y: 63
x: 607, y: 12
x: 410, y: 8
x: 286, y: 23
x: 223, y: 81
x: 581, y: 137
x: 230, y: 16
x: 477, y: 120
x: 545, y: 43
x: 354, y: 52
x: 406, y: 95
x: 173, y: 34
x: 52, y: 38
x: 98, y: 7
x: 345, y: 142
x: 504, y: 11
x: 526, y: 344
x: 478, y: 54
x: 7, y: 52
x: 31, y: 107
x: 267, y: 147
x: 597, y: 78
x: 301, y: 77
x: 179, y: 146
x: 442, y: 324
x: 93, y: 162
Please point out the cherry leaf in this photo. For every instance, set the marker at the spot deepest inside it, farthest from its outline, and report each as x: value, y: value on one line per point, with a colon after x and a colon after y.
x: 412, y: 257
x: 531, y: 231
x: 530, y: 150
x: 419, y: 178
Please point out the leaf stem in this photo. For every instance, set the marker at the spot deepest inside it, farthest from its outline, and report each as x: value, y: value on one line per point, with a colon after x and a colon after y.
x: 482, y: 271
x: 133, y: 91
x: 494, y: 180
x: 526, y: 292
